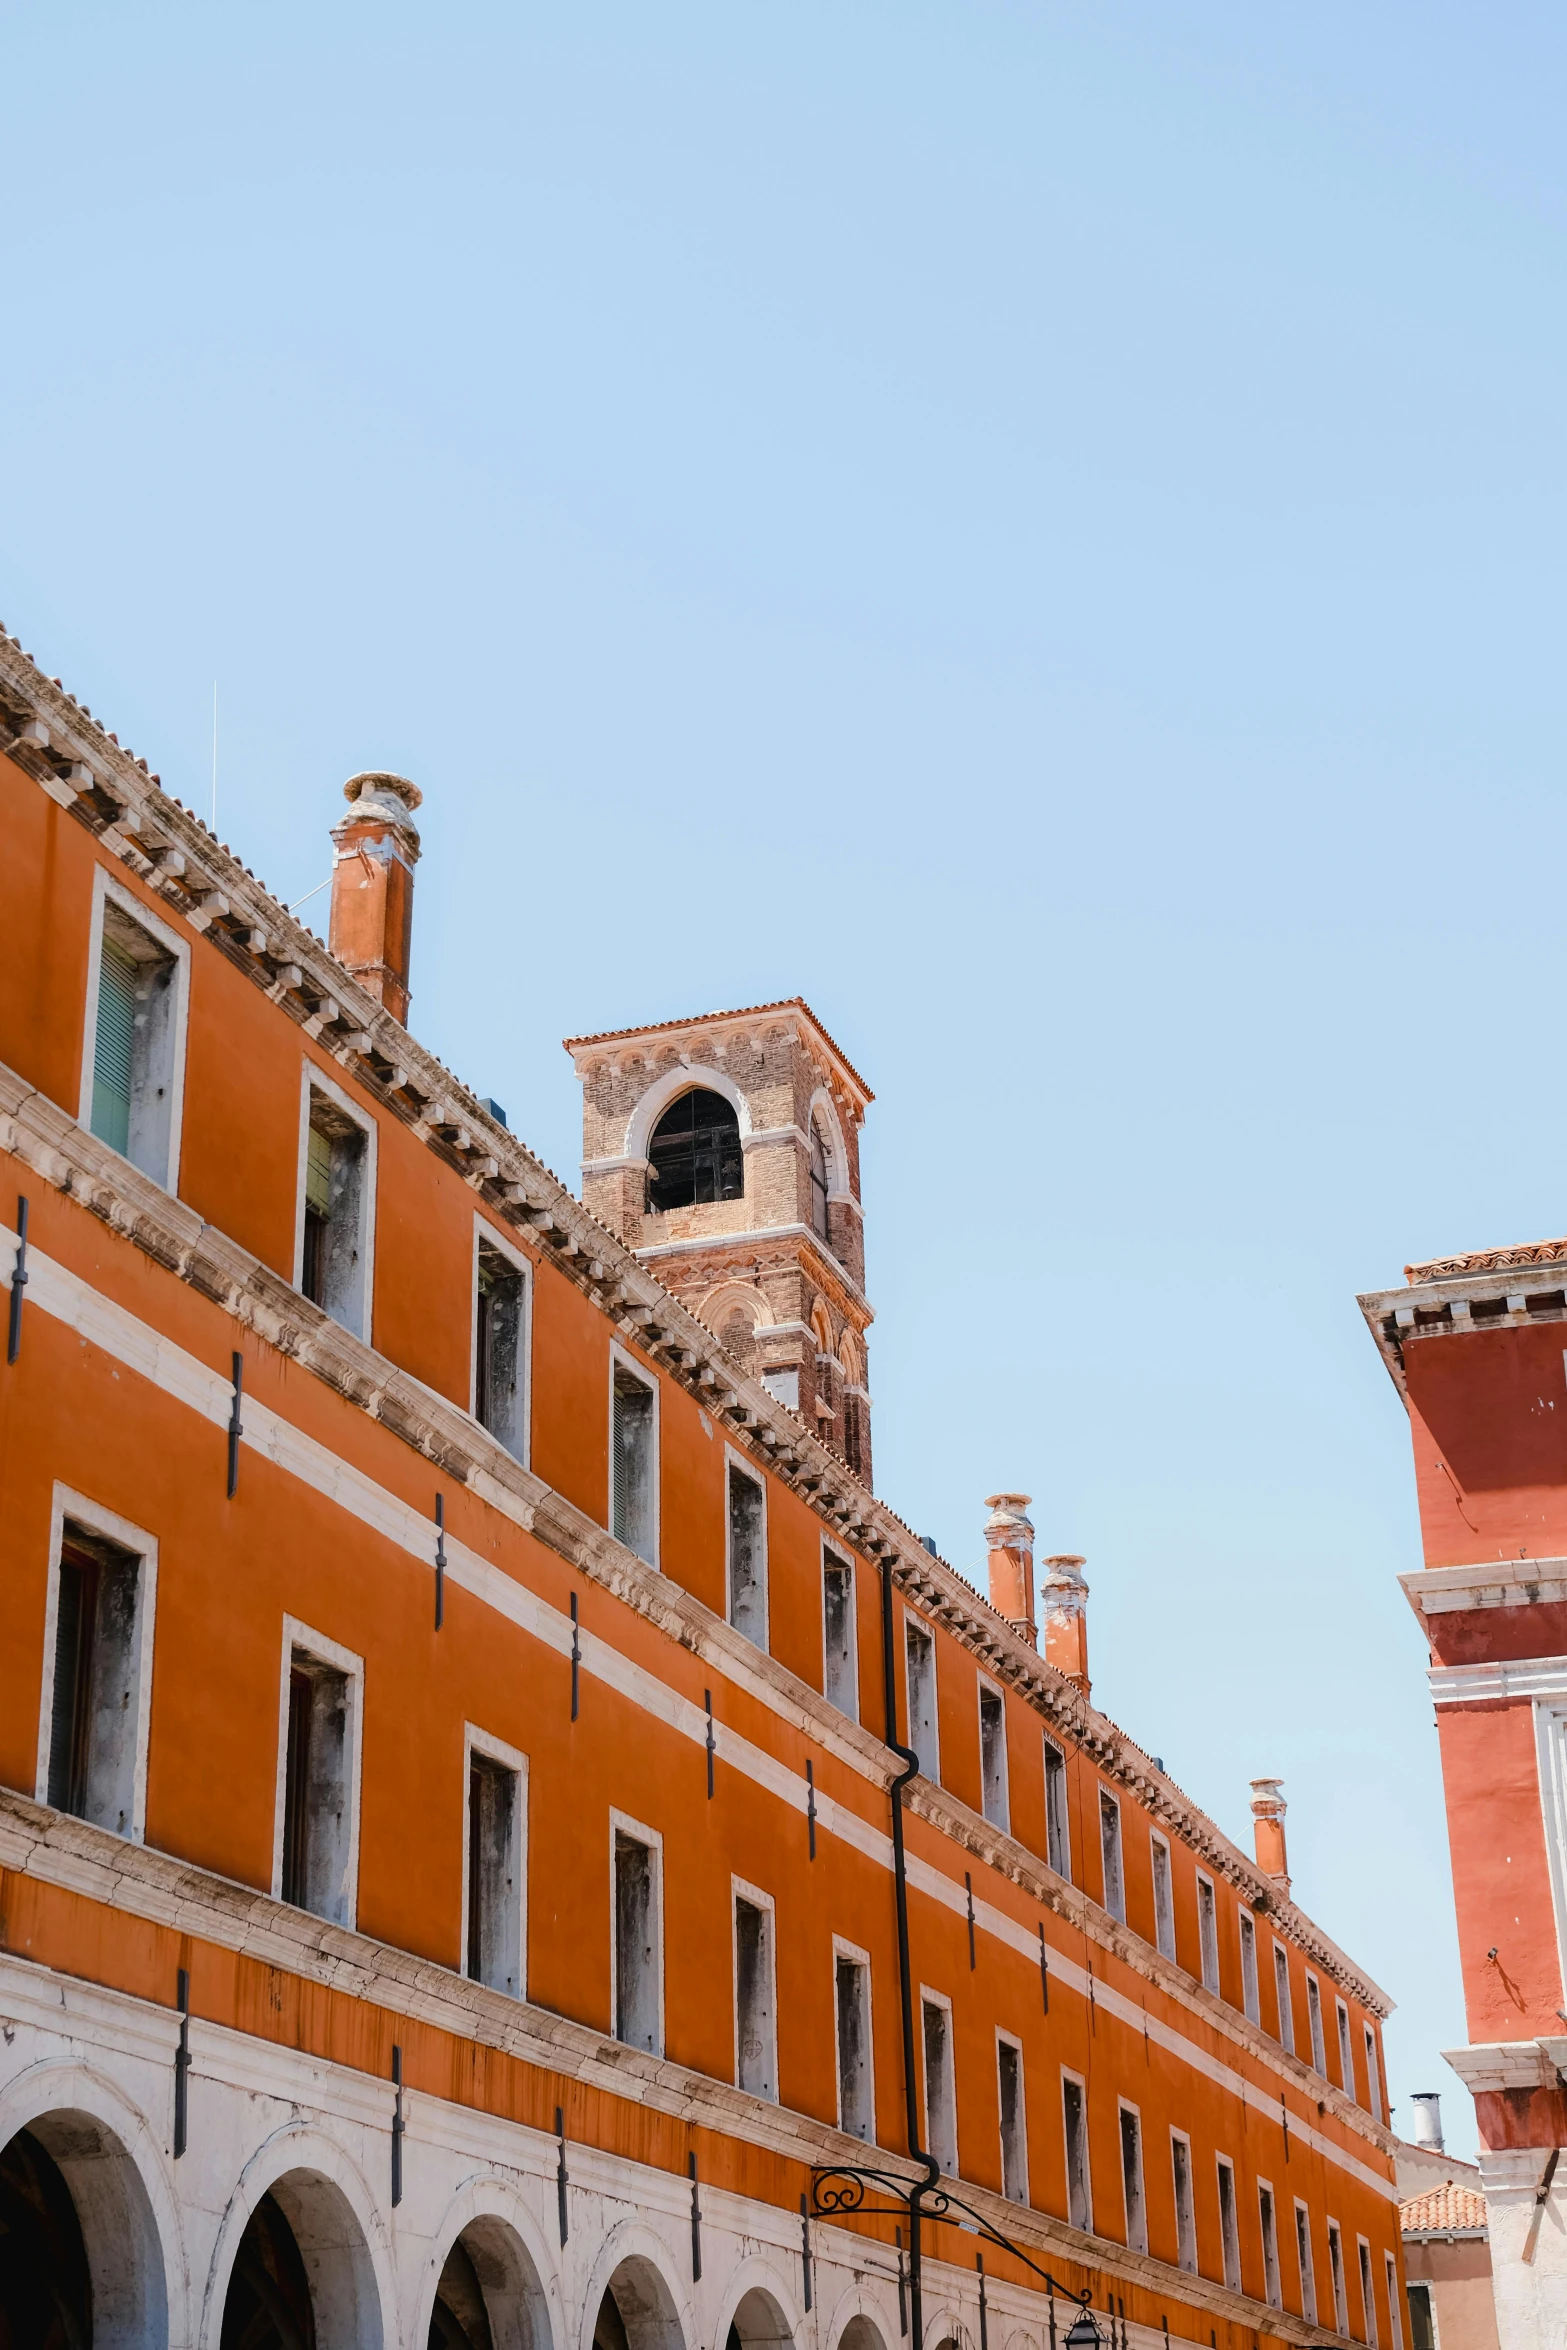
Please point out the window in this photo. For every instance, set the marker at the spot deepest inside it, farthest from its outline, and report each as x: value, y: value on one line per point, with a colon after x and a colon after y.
x: 819, y: 1183
x: 1422, y: 2319
x: 1346, y: 2061
x: 756, y: 2035
x: 1110, y: 1854
x: 1249, y: 1998
x: 841, y: 1664
x: 695, y: 1155
x: 494, y: 1941
x: 1390, y: 2279
x: 500, y: 1347
x: 1079, y: 2185
x: 1229, y: 2225
x: 1185, y: 2215
x: 1281, y: 1987
x: 1132, y: 2179
x: 634, y: 1460
x: 941, y: 2114
x: 852, y: 1992
x: 1058, y: 1835
x: 1207, y: 1933
x: 1319, y: 2054
x: 1308, y: 2272
x: 1368, y: 2299
x: 1163, y: 1897
x: 747, y: 1555
x: 336, y: 1188
x: 133, y: 1066
x: 638, y: 1948
x: 1014, y: 2134
x: 316, y: 1855
x: 1336, y: 2276
x: 920, y: 1654
x: 1270, y: 2246
x: 92, y: 1758
x: 993, y: 1755
x: 1373, y: 2076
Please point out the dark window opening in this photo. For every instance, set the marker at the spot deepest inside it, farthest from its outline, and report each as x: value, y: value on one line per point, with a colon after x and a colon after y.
x: 695, y: 1155
x: 1014, y: 2153
x: 854, y: 2048
x: 93, y: 1724
x: 45, y: 2282
x: 747, y: 1557
x: 1422, y: 2326
x: 494, y: 1954
x: 753, y: 1999
x: 334, y: 1241
x: 268, y: 2305
x: 497, y: 1350
x: 636, y: 1944
x: 317, y: 1826
x: 818, y: 1183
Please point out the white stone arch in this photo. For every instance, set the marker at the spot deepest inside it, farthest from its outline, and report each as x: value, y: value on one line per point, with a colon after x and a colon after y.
x: 851, y: 1358
x: 857, y: 2323
x: 1023, y: 2338
x: 730, y: 1297
x: 129, y: 2217
x: 758, y: 2302
x: 946, y: 2324
x: 520, y: 2278
x: 665, y: 2320
x: 683, y: 1078
x: 342, y: 2239
x: 823, y: 1107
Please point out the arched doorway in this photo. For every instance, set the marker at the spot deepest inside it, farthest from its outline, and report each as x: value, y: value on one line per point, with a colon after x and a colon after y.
x: 268, y: 2305
x: 637, y: 2311
x: 758, y: 2324
x: 488, y: 2297
x: 694, y: 1154
x: 301, y: 2277
x: 45, y: 2283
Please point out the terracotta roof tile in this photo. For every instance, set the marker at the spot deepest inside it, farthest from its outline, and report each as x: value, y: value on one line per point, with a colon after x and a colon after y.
x: 788, y: 1003
x: 1441, y: 2209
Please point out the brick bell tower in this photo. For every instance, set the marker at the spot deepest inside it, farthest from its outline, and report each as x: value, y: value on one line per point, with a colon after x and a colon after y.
x: 725, y: 1151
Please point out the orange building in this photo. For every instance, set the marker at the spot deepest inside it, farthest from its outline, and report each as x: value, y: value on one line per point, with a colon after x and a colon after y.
x: 504, y: 1840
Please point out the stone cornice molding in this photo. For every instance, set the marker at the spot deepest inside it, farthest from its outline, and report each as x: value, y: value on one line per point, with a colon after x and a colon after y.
x: 1462, y: 1305
x: 752, y: 1021
x: 1486, y: 1583
x: 1521, y: 1679
x: 1509, y: 2064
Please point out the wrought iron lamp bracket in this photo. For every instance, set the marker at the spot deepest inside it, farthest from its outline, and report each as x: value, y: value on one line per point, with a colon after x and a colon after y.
x: 840, y: 2192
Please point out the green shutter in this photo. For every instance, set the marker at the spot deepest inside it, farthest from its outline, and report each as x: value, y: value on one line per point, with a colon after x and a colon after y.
x: 112, y: 1053
x: 318, y: 1171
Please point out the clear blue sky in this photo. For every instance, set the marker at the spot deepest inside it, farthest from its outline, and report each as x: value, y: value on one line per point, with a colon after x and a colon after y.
x: 1039, y: 528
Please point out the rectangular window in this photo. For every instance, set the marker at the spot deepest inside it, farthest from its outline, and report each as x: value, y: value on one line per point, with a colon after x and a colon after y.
x: 941, y: 2107
x: 634, y: 1461
x: 920, y: 1656
x: 1346, y: 2061
x: 317, y: 1849
x: 336, y: 1190
x: 494, y: 1942
x: 134, y: 1063
x: 1185, y: 2216
x: 1281, y: 1989
x: 1249, y: 1998
x: 1132, y: 2179
x: 839, y: 1649
x: 1110, y: 1854
x: 1373, y: 2076
x: 1336, y: 2278
x: 993, y: 1755
x: 1014, y: 2134
x: 1208, y: 1933
x: 1308, y: 2269
x: 1229, y: 2225
x: 1319, y: 2053
x: 1079, y: 2184
x: 852, y: 1989
x: 1058, y: 1834
x: 1422, y: 2319
x: 500, y: 1348
x: 1368, y: 2299
x: 93, y: 1736
x: 1270, y: 2247
x: 638, y: 1951
x: 1390, y: 2279
x: 1163, y: 1897
x: 756, y: 2031
x: 747, y: 1555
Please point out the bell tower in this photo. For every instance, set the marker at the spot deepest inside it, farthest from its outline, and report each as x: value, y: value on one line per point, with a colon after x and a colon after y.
x: 725, y: 1151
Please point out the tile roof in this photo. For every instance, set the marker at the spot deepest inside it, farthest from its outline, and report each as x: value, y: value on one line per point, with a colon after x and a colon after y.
x: 788, y: 1003
x: 1488, y: 1260
x: 1443, y: 2211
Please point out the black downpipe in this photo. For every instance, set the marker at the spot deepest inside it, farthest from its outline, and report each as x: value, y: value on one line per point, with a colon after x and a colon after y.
x: 911, y: 1763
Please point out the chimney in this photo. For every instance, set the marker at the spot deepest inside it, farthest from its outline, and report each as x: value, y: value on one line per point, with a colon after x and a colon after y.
x: 1267, y: 1809
x: 1009, y: 1538
x: 1065, y: 1595
x: 376, y: 848
x: 1428, y: 2120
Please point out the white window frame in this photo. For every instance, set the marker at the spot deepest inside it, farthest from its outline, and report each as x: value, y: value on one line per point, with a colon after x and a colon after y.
x: 1373, y: 2073
x: 1284, y: 1997
x: 1081, y: 2086
x: 1052, y: 1860
x: 1229, y: 2238
x: 1272, y: 2274
x: 736, y: 1465
x: 1251, y: 1989
x: 622, y: 1823
x: 833, y: 1557
x: 1308, y: 2266
x: 740, y: 1889
x: 1185, y: 2239
x: 922, y: 1631
x: 939, y: 1999
x: 1319, y: 2044
x: 1367, y: 2275
x: 1163, y: 1912
x: 321, y: 1651
x: 1338, y: 2278
x: 1113, y: 1802
x: 1139, y: 2241
x: 1394, y: 2322
x: 313, y: 1079
x: 1005, y: 2039
x: 862, y: 1960
x: 621, y: 1358
x: 492, y: 1237
x: 490, y: 1749
x: 1208, y: 1932
x: 985, y: 1687
x: 1346, y: 2049
x: 93, y: 1518
x: 106, y: 889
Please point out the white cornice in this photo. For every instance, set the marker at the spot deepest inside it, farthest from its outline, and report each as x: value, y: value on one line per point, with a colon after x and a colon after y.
x: 1509, y: 2064
x: 1485, y: 1583
x: 1524, y: 1677
x: 764, y: 1234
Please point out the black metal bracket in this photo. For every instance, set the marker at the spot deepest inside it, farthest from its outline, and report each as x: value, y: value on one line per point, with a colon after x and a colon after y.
x: 576, y: 1672
x: 805, y: 2245
x: 236, y: 1426
x: 13, y: 1343
x: 562, y: 2179
x: 840, y: 2192
x: 440, y: 1560
x: 810, y: 1809
x: 1044, y: 1969
x: 712, y: 1746
x: 182, y: 2063
x: 398, y: 2126
x: 696, y: 2222
x: 968, y: 1895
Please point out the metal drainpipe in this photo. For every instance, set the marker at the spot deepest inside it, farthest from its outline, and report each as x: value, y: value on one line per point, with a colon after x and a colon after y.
x: 911, y: 1764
